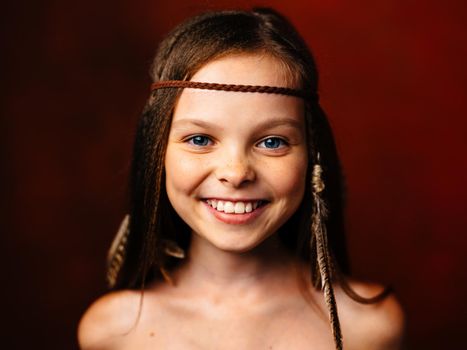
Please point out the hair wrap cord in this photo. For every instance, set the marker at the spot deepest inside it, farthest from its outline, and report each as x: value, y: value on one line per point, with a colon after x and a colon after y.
x: 227, y: 87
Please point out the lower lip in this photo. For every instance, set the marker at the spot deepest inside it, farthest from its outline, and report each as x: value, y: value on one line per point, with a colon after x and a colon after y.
x: 236, y: 219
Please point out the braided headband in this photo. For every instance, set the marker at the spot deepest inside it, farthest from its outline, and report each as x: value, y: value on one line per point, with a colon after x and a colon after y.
x: 227, y: 87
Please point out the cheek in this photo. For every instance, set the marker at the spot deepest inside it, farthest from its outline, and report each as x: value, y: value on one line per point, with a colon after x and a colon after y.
x: 183, y: 172
x: 288, y: 178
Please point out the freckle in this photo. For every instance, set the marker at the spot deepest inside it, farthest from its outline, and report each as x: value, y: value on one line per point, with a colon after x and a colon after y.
x: 151, y: 334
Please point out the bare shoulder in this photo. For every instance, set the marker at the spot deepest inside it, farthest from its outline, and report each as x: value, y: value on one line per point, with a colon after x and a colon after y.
x: 108, y: 318
x: 378, y: 326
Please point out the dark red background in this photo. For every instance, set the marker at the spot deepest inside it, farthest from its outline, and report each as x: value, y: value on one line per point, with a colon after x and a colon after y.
x: 75, y: 78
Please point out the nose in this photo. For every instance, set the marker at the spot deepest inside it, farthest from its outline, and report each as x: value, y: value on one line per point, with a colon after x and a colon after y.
x: 235, y: 170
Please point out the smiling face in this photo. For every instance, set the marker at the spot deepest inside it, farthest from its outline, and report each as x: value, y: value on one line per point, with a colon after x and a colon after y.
x: 236, y: 162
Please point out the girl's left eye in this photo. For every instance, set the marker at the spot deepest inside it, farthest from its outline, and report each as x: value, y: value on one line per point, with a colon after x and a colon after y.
x: 199, y: 140
x: 272, y: 143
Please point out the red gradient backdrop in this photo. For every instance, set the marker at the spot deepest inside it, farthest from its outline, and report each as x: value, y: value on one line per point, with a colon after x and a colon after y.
x: 393, y: 81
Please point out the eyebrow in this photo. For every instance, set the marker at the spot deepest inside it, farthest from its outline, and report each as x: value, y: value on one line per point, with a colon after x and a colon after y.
x: 268, y: 124
x: 196, y: 122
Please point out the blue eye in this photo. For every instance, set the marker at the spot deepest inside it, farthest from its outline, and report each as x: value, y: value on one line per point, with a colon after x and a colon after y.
x: 272, y: 142
x: 199, y: 140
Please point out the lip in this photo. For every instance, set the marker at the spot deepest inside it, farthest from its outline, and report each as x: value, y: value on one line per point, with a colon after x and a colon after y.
x: 236, y: 199
x: 236, y: 219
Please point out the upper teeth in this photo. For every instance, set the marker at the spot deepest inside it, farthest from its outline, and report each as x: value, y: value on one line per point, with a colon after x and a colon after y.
x: 233, y: 207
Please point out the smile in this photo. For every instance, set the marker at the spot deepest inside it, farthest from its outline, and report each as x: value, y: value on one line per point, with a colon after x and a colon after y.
x: 238, y: 207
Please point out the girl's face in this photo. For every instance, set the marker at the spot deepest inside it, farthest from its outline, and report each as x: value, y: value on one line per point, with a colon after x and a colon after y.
x: 236, y: 162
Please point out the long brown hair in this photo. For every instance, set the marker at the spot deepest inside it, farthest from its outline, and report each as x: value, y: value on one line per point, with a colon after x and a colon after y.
x: 186, y: 49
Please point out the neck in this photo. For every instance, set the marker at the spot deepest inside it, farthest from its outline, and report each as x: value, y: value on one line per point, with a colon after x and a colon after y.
x: 210, y: 268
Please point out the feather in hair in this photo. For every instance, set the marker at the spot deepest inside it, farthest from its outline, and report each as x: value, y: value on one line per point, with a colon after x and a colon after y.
x: 117, y: 252
x: 322, y: 253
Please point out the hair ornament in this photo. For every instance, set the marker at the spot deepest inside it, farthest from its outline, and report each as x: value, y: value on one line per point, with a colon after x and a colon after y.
x: 265, y: 89
x: 317, y: 181
x: 172, y: 249
x: 117, y: 252
x: 319, y: 244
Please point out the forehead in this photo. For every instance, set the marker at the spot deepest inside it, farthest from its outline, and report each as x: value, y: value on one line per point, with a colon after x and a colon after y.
x: 247, y: 69
x: 244, y: 107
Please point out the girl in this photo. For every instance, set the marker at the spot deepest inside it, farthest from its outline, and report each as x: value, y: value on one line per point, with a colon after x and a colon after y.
x: 236, y: 227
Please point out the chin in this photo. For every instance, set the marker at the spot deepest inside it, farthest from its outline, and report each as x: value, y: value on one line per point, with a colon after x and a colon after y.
x: 239, y: 244
x: 239, y: 249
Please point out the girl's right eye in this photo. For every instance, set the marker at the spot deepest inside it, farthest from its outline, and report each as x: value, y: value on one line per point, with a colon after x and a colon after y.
x: 199, y: 140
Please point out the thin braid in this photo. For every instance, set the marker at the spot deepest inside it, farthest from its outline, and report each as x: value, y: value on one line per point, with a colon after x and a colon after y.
x: 227, y: 87
x: 156, y: 122
x: 318, y: 228
x: 157, y: 154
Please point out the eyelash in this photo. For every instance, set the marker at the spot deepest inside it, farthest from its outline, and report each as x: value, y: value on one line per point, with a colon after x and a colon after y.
x: 192, y: 139
x: 281, y: 140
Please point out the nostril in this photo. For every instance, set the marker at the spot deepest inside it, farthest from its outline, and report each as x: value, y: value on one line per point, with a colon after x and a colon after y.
x: 236, y: 175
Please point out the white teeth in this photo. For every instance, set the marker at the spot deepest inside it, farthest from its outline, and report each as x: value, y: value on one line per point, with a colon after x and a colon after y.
x: 220, y: 206
x: 233, y: 207
x: 239, y: 208
x: 229, y: 207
